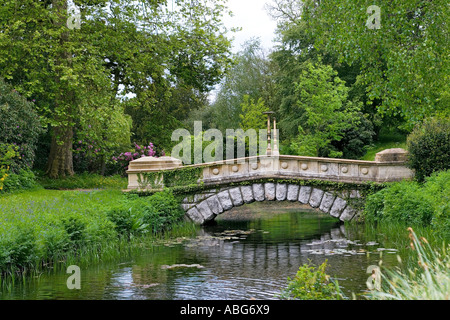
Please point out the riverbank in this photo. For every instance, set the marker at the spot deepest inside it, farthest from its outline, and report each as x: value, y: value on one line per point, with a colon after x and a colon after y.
x: 49, y: 229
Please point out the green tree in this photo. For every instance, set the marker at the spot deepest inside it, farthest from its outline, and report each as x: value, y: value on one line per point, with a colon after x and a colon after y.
x: 404, y: 64
x: 250, y: 76
x: 252, y: 116
x: 122, y: 47
x: 324, y: 111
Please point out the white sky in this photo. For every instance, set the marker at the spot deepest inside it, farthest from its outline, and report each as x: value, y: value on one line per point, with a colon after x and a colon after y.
x: 252, y: 17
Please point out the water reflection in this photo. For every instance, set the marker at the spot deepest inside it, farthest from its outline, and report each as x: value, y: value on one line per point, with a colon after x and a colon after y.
x: 235, y: 259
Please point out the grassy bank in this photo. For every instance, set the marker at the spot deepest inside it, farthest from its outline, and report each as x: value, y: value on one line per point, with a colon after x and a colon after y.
x: 42, y: 228
x: 387, y: 139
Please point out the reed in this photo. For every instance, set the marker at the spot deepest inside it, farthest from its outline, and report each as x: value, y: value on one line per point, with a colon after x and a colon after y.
x: 429, y: 279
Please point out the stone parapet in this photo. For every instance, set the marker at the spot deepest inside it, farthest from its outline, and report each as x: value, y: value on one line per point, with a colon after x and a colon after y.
x: 280, y: 167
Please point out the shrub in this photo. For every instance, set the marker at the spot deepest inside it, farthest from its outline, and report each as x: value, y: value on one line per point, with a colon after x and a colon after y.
x: 7, y: 153
x: 23, y: 180
x: 128, y: 220
x: 18, y: 251
x: 167, y: 211
x: 413, y: 203
x: 437, y: 189
x: 41, y: 227
x: 311, y: 284
x: 139, y: 151
x: 153, y: 214
x: 429, y: 147
x: 401, y: 202
x: 19, y: 125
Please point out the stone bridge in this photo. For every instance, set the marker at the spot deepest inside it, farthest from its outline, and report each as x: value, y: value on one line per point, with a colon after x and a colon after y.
x: 209, y: 189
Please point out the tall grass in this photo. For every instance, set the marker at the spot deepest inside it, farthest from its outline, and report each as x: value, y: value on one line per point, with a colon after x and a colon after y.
x: 429, y: 279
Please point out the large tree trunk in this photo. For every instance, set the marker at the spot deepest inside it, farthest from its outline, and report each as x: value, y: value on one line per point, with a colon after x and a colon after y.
x: 60, y: 160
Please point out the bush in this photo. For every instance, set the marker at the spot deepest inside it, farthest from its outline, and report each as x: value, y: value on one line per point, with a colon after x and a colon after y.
x: 413, y: 203
x: 153, y: 214
x: 128, y: 220
x: 139, y: 151
x: 7, y: 153
x: 19, y: 251
x: 41, y: 227
x: 429, y: 147
x: 311, y: 284
x: 19, y: 125
x: 24, y: 180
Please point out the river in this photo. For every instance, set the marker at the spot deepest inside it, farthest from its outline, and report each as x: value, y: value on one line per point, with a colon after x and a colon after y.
x: 248, y: 254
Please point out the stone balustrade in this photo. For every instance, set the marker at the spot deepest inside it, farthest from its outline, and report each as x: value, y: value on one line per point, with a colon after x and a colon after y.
x: 280, y: 167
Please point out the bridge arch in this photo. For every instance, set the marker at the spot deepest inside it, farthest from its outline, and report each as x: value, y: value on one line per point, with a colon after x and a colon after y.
x: 205, y: 206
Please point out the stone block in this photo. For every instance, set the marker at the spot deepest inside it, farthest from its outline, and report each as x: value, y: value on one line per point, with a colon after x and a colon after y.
x: 269, y: 191
x: 214, y: 205
x: 205, y: 211
x: 195, y: 215
x: 304, y: 194
x: 347, y: 214
x: 292, y: 192
x: 236, y: 196
x: 258, y: 191
x: 187, y: 206
x: 316, y: 197
x: 392, y: 155
x: 247, y: 194
x: 281, y: 191
x: 337, y: 207
x: 225, y: 200
x: 327, y: 202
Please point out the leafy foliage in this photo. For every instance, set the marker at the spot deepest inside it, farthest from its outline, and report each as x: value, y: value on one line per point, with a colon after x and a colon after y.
x: 252, y: 116
x: 411, y: 203
x: 20, y: 126
x: 311, y: 284
x: 77, y: 77
x: 429, y: 147
x: 251, y: 75
x: 322, y: 110
x: 403, y: 64
x: 7, y: 153
x: 138, y: 216
x: 23, y: 180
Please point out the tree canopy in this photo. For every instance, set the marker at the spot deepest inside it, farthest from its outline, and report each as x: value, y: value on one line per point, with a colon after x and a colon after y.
x: 144, y: 48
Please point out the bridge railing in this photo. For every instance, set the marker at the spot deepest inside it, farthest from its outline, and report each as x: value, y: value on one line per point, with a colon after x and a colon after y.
x: 151, y: 173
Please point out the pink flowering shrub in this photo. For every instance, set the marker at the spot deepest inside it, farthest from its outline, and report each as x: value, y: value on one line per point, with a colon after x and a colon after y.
x: 139, y: 152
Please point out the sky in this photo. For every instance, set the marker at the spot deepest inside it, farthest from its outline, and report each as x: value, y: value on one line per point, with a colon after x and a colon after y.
x: 252, y: 17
